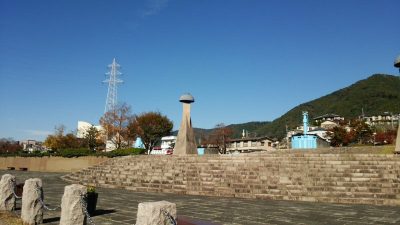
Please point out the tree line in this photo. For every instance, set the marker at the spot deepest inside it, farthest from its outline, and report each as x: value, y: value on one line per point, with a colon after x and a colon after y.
x: 358, y: 132
x: 120, y: 127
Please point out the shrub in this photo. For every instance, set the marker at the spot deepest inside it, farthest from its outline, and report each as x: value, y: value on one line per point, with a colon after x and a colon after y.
x: 125, y: 152
x: 79, y: 152
x: 69, y: 153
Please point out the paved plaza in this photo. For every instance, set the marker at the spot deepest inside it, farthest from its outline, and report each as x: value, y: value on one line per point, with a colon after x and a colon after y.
x: 116, y: 206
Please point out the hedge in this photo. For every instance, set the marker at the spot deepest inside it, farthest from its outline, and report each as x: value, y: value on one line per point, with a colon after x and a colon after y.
x: 69, y: 153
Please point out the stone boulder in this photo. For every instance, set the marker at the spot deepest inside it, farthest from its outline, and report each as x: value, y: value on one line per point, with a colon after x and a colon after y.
x: 71, y: 207
x: 151, y: 213
x: 32, y: 208
x: 7, y: 198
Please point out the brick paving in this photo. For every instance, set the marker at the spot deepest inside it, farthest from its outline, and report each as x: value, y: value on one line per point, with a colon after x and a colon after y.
x: 116, y: 206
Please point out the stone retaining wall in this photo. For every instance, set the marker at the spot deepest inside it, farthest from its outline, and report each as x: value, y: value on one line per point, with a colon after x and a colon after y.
x: 50, y: 164
x: 302, y: 176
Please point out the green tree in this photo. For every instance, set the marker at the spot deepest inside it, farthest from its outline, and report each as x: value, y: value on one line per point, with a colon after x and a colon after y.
x: 92, y: 138
x: 150, y: 127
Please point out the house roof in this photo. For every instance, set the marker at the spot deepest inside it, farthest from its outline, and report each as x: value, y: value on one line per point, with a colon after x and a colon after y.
x: 318, y: 129
x: 328, y: 122
x: 251, y: 139
x: 329, y: 115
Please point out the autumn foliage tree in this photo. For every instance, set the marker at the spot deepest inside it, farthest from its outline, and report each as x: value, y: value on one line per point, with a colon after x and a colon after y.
x: 150, y: 127
x: 115, y: 122
x: 220, y: 137
x: 385, y: 137
x: 59, y: 141
x: 362, y: 131
x: 358, y: 132
x: 340, y: 137
x: 8, y: 145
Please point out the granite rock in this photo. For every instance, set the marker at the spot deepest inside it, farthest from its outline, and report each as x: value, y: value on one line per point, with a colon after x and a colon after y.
x: 151, y: 213
x: 7, y: 198
x: 71, y: 207
x: 32, y: 208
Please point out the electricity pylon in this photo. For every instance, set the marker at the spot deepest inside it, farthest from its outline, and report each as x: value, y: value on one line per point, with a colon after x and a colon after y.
x: 113, y: 81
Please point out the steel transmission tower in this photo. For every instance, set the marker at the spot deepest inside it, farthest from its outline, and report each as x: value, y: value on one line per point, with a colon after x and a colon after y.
x: 112, y: 81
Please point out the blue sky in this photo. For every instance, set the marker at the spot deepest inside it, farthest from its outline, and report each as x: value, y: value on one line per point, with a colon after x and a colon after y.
x: 243, y: 60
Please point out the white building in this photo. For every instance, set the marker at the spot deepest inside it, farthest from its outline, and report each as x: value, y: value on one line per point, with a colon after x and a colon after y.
x: 385, y: 118
x: 166, y: 148
x: 328, y: 124
x: 83, y: 127
x: 328, y: 117
x: 32, y: 145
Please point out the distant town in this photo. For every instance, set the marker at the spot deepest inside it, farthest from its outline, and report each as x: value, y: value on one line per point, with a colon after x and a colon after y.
x: 368, y: 130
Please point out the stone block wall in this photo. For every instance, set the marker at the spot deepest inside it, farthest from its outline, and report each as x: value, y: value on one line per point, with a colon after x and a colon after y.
x: 50, y: 164
x: 302, y: 176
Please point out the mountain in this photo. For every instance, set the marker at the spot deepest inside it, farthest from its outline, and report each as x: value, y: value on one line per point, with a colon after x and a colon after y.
x: 377, y: 94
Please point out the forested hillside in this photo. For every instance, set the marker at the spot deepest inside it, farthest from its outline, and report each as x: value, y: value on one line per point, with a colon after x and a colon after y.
x: 377, y: 94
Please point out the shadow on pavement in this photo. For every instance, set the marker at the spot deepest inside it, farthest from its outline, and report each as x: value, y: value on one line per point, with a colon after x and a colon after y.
x: 184, y: 220
x: 99, y: 212
x: 50, y: 220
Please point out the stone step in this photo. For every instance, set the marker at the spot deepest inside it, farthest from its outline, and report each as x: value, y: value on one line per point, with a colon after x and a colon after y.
x: 346, y: 178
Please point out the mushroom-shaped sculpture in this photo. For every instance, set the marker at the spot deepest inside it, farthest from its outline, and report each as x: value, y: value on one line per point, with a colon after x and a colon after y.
x: 186, y: 142
x: 186, y: 98
x: 397, y: 62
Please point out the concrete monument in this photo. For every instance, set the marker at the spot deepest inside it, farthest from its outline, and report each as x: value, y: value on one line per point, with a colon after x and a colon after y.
x: 186, y: 142
x: 397, y: 149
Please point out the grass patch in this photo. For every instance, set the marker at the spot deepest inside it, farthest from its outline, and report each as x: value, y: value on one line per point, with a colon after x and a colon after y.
x: 9, y: 218
x: 387, y: 149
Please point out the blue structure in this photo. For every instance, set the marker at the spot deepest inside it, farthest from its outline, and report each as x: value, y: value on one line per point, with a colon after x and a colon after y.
x: 304, y: 141
x: 138, y: 143
x: 200, y: 151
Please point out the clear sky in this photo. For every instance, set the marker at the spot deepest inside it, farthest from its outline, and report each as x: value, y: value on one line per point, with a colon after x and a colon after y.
x: 242, y: 60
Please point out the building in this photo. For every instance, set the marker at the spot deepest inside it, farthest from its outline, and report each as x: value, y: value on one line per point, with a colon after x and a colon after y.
x: 32, y: 145
x: 312, y: 138
x: 328, y: 117
x: 328, y: 124
x: 168, y: 142
x: 250, y: 144
x: 299, y: 141
x: 138, y: 143
x: 83, y: 127
x: 385, y: 118
x: 167, y: 146
x: 322, y: 133
x: 304, y: 140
